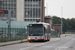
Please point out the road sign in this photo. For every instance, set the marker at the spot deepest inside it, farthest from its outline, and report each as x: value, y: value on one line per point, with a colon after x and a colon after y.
x: 3, y: 11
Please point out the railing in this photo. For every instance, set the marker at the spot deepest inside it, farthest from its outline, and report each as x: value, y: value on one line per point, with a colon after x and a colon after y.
x: 54, y: 33
x: 16, y: 34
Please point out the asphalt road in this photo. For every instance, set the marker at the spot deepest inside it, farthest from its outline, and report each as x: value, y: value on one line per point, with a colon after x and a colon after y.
x: 66, y: 42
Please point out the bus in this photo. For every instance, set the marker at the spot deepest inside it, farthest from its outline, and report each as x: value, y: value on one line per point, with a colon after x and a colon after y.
x: 38, y: 32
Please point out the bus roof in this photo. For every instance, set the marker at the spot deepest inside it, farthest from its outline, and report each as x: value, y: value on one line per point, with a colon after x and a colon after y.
x: 43, y: 23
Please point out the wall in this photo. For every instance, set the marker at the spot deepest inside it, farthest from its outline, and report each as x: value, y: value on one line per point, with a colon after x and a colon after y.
x: 20, y: 10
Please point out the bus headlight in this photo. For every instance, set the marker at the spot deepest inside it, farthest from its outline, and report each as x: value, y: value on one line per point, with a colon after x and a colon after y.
x: 29, y: 38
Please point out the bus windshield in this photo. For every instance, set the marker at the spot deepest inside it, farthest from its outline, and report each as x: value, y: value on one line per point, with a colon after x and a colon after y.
x: 36, y: 30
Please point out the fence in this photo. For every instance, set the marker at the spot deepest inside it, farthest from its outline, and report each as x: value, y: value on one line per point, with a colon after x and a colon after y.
x: 54, y: 33
x: 16, y: 34
x: 18, y: 31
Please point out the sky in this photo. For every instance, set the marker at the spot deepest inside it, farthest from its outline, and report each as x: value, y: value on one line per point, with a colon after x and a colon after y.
x: 58, y: 7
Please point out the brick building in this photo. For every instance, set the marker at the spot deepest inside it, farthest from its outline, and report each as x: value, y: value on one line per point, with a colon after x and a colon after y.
x: 48, y: 20
x: 57, y: 27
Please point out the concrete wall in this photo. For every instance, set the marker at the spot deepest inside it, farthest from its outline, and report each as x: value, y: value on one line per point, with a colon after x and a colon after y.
x: 20, y: 10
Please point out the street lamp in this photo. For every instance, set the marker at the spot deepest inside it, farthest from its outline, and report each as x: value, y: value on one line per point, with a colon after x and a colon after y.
x: 61, y: 19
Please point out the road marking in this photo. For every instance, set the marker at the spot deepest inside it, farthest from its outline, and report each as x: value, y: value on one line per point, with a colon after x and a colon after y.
x: 63, y: 46
x: 49, y: 46
x: 53, y: 47
x: 33, y: 46
x: 40, y: 44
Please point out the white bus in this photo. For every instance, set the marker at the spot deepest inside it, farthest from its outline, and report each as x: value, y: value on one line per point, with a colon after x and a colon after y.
x: 38, y: 32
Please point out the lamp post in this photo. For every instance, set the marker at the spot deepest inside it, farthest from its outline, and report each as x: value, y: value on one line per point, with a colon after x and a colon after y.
x: 47, y: 8
x: 61, y: 19
x: 9, y: 22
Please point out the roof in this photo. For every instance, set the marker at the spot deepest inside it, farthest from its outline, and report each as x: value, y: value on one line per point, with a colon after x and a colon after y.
x: 41, y: 23
x: 44, y: 24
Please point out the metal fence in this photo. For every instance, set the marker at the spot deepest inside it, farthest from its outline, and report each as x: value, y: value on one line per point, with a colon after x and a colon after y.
x: 54, y: 33
x: 15, y: 34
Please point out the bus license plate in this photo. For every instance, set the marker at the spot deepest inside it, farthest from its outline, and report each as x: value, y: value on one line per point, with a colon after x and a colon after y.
x: 35, y: 38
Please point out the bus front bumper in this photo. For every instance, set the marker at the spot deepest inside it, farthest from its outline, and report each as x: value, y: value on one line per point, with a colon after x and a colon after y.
x: 29, y: 39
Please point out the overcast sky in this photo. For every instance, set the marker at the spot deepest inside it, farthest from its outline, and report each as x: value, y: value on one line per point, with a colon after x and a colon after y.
x: 53, y: 7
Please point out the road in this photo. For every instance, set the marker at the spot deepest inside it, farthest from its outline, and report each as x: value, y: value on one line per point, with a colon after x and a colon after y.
x: 66, y: 42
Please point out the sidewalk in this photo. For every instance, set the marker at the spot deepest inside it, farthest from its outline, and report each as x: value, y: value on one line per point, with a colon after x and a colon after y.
x: 12, y: 42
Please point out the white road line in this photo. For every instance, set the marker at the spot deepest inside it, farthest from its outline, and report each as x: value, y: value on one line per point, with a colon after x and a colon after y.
x: 38, y: 44
x: 32, y: 46
x: 63, y: 46
x: 49, y: 46
x: 53, y: 47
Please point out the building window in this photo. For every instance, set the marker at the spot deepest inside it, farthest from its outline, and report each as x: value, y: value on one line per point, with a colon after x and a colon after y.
x: 32, y: 3
x: 9, y: 5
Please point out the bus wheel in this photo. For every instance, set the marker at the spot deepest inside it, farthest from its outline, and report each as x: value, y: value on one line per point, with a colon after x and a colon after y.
x: 44, y: 40
x: 30, y: 41
x: 48, y: 39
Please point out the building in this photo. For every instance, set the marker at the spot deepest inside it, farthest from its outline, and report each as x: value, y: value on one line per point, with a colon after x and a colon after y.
x: 48, y: 20
x: 57, y: 27
x: 8, y: 5
x: 23, y: 10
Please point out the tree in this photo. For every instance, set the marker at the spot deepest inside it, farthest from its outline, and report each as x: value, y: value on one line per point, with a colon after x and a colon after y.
x: 68, y: 24
x: 56, y: 20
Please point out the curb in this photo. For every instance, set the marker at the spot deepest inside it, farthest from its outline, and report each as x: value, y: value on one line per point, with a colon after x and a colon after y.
x: 12, y: 42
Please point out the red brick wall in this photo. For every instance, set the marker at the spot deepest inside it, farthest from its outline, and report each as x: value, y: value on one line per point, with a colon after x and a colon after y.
x: 48, y: 20
x: 57, y: 27
x: 42, y: 11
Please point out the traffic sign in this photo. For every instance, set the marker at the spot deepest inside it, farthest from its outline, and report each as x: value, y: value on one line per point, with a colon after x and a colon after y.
x: 3, y: 11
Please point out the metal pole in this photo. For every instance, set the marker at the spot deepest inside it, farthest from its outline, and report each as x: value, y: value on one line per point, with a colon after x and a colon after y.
x: 9, y: 23
x: 47, y: 8
x: 61, y: 18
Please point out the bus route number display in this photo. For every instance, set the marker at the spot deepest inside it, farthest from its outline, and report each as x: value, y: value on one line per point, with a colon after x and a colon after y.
x: 3, y: 11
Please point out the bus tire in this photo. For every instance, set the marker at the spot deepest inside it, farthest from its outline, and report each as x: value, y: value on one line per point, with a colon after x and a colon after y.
x: 44, y: 40
x: 48, y: 40
x: 30, y: 41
